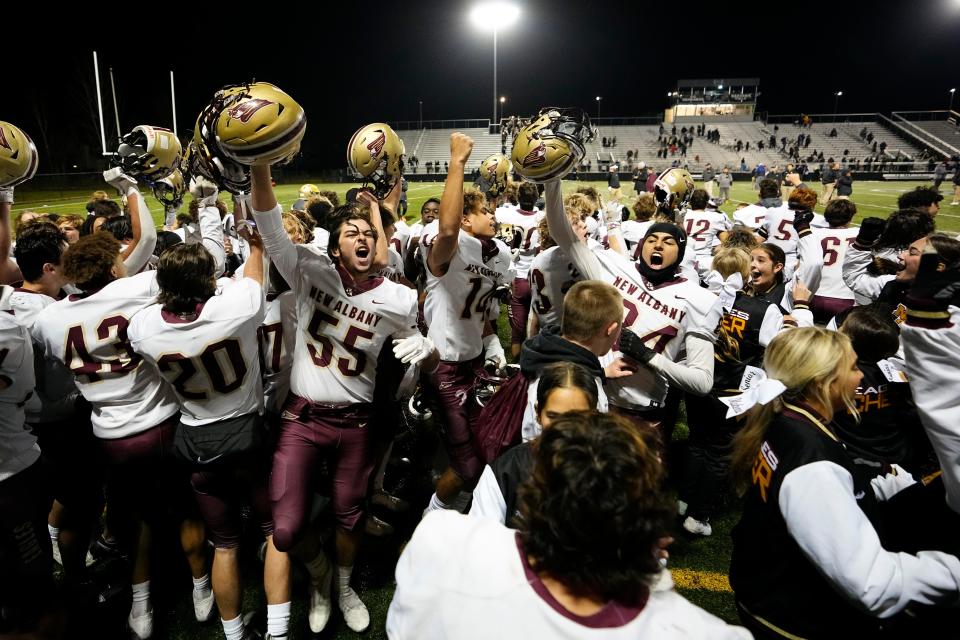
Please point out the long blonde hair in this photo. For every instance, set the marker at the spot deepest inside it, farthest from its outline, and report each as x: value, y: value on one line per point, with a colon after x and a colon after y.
x: 807, y: 361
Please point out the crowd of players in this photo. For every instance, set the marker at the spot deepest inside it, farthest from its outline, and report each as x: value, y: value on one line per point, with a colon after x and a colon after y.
x: 205, y: 377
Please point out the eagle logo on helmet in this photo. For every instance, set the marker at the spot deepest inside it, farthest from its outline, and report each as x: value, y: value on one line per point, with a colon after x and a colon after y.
x: 3, y: 140
x: 245, y: 110
x: 376, y: 146
x: 537, y: 155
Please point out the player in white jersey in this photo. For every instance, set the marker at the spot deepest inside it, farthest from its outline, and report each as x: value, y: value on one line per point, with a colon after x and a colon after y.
x: 277, y: 340
x: 135, y: 413
x: 665, y: 311
x: 834, y: 296
x: 705, y: 229
x: 633, y: 230
x: 202, y: 335
x: 61, y: 426
x: 552, y: 274
x: 470, y: 578
x: 344, y: 318
x: 520, y: 226
x: 27, y: 585
x: 778, y: 226
x: 465, y: 267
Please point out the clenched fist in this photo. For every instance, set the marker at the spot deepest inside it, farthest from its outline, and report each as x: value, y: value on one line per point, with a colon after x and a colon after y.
x: 460, y: 147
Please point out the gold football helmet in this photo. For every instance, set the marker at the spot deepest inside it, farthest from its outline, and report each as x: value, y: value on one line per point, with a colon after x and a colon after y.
x: 18, y: 156
x: 672, y: 189
x: 308, y: 191
x: 376, y: 153
x: 170, y: 190
x: 552, y: 144
x: 259, y: 124
x: 148, y: 152
x: 494, y: 172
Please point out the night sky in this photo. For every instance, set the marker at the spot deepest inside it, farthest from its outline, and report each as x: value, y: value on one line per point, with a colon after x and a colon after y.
x: 372, y: 62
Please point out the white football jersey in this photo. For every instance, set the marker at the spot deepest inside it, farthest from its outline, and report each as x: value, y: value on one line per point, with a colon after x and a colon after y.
x: 341, y: 328
x: 18, y: 445
x: 751, y: 216
x: 278, y: 335
x: 658, y: 315
x: 56, y: 391
x: 521, y: 227
x: 633, y: 231
x: 551, y: 275
x: 342, y: 325
x: 401, y: 239
x: 213, y: 361
x: 461, y: 302
x: 834, y: 243
x: 321, y: 239
x: 778, y: 226
x: 394, y: 269
x: 703, y: 229
x: 88, y: 333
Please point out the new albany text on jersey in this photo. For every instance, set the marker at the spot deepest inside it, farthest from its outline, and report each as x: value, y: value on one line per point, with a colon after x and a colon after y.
x: 644, y: 297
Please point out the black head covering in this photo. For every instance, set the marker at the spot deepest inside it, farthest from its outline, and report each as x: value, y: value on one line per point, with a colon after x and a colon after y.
x: 659, y: 276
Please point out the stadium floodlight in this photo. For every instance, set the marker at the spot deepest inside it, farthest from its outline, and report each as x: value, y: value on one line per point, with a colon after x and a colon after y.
x: 836, y: 101
x: 503, y: 99
x: 599, y: 98
x: 950, y: 107
x: 494, y: 16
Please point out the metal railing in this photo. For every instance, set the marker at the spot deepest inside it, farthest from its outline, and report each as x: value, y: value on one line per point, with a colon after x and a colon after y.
x: 413, y: 125
x: 919, y: 134
x: 821, y: 118
x: 921, y: 116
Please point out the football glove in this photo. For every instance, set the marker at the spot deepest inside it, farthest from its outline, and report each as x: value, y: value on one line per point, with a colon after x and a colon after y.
x: 870, y: 231
x: 119, y: 180
x: 414, y: 349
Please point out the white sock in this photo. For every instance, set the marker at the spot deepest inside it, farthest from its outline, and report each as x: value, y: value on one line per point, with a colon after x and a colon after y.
x: 141, y: 599
x: 318, y: 566
x: 233, y: 629
x: 201, y: 586
x: 54, y: 533
x: 436, y: 504
x: 343, y: 581
x: 278, y: 619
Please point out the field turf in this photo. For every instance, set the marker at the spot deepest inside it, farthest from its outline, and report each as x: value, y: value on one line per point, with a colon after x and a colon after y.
x: 699, y: 565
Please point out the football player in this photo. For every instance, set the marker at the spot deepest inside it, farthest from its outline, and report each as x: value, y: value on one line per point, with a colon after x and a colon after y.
x: 344, y: 317
x: 520, y: 225
x: 834, y: 296
x: 705, y: 229
x: 663, y: 310
x: 465, y: 266
x: 27, y: 584
x: 135, y: 413
x: 203, y: 339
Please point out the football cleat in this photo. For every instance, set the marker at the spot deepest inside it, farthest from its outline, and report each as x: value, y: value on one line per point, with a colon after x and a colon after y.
x: 552, y: 144
x: 18, y: 156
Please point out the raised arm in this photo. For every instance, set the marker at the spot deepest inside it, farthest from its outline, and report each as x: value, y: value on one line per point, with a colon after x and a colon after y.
x: 380, y: 257
x: 451, y: 207
x: 859, y: 256
x: 9, y: 272
x: 211, y: 226
x: 561, y: 231
x: 138, y: 252
x: 266, y: 213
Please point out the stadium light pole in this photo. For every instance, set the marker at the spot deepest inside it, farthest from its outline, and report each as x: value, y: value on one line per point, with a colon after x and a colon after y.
x: 836, y: 101
x: 599, y: 98
x: 494, y: 16
x: 503, y: 99
x: 952, y: 91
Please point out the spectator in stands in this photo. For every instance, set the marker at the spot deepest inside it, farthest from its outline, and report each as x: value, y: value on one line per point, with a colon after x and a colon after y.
x: 883, y: 147
x: 833, y: 132
x: 773, y: 141
x: 743, y: 165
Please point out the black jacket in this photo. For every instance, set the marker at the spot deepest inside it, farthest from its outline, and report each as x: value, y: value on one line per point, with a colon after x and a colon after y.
x: 548, y: 347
